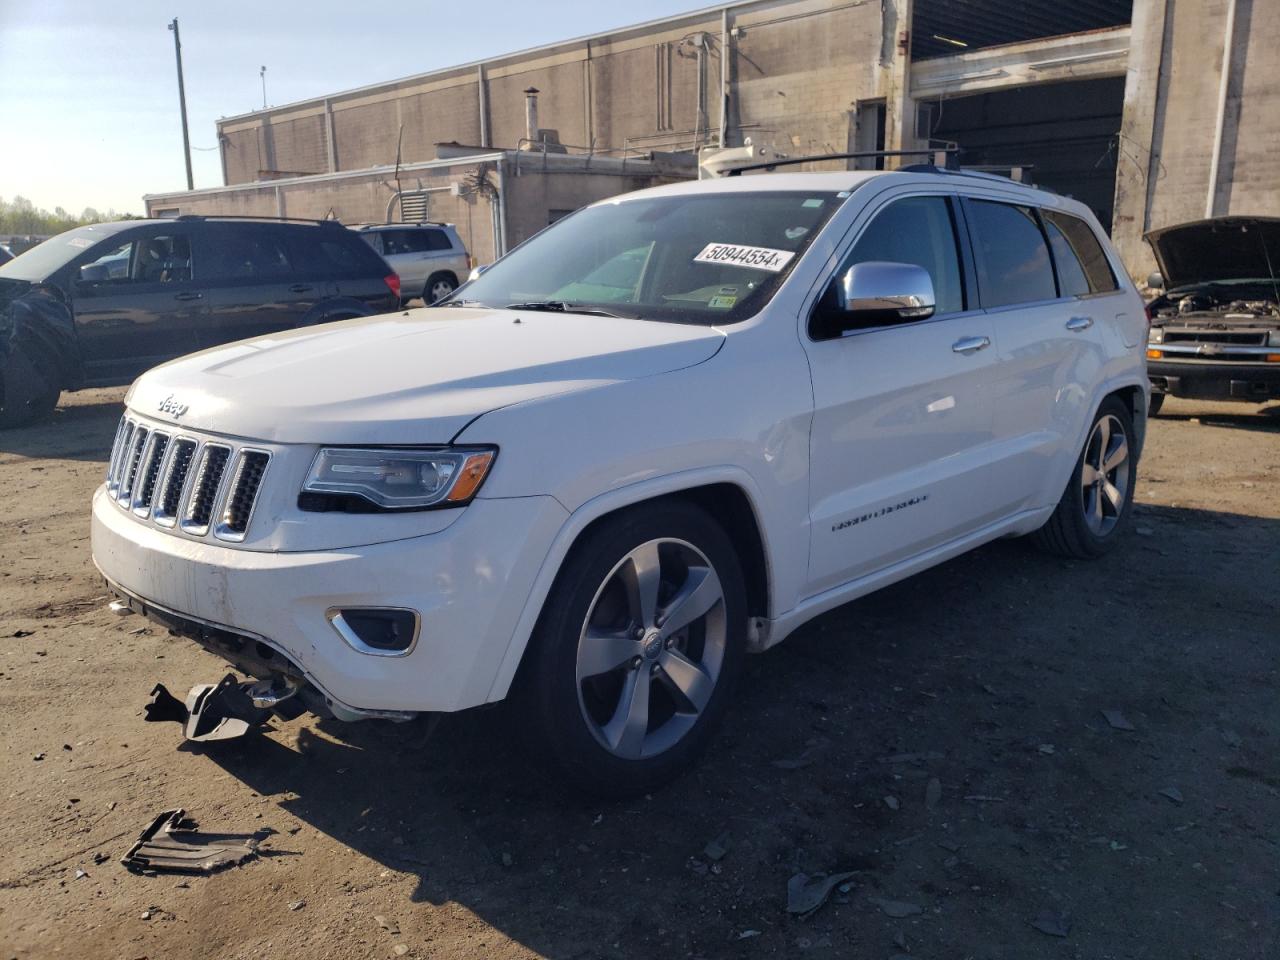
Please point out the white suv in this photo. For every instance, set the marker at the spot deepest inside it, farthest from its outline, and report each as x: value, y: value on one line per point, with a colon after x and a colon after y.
x: 663, y: 433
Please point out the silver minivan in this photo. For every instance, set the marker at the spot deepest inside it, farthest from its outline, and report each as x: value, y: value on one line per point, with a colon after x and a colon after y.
x: 429, y: 257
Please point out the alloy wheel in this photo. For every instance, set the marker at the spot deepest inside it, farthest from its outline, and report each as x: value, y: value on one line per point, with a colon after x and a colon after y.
x: 651, y: 649
x: 439, y: 290
x: 1104, y: 475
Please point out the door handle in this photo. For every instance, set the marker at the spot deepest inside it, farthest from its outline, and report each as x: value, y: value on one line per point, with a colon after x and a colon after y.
x: 967, y: 345
x: 190, y: 295
x: 301, y: 288
x: 1080, y: 323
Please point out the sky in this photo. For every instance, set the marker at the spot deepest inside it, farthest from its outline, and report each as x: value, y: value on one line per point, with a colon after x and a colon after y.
x: 89, y: 94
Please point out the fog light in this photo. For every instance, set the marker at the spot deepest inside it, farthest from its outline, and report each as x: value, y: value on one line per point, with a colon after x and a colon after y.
x: 378, y: 631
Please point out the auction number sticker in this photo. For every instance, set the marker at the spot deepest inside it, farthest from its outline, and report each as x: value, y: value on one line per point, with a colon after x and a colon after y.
x: 735, y: 255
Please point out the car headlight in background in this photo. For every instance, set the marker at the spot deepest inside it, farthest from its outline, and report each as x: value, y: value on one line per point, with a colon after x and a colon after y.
x: 1273, y: 338
x: 395, y: 479
x: 1155, y: 335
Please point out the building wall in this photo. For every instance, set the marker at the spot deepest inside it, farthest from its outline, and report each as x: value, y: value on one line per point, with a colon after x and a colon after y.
x: 795, y: 68
x: 1171, y: 114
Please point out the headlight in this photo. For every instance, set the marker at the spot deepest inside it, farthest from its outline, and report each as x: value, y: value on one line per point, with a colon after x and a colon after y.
x: 1273, y: 338
x: 1155, y: 335
x: 396, y: 479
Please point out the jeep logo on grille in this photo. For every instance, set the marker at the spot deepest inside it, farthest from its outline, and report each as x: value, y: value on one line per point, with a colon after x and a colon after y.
x: 173, y: 407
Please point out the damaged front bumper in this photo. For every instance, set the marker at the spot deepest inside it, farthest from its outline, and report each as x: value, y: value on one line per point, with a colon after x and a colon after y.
x: 273, y: 613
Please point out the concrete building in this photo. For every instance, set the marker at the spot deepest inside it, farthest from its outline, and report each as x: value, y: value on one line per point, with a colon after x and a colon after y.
x: 1152, y: 112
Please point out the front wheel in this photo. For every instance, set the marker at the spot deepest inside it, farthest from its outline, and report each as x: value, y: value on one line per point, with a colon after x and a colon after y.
x: 1096, y: 505
x: 639, y: 646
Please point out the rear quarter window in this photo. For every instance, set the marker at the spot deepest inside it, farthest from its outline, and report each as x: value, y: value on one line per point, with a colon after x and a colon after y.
x: 1081, y: 261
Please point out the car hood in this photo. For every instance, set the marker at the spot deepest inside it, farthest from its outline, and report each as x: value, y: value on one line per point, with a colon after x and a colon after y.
x: 415, y: 377
x: 1221, y: 248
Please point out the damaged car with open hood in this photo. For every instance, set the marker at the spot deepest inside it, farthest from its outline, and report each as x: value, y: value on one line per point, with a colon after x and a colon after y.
x: 662, y: 433
x: 1215, y: 325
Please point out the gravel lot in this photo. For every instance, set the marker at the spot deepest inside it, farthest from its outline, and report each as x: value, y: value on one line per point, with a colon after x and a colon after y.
x: 989, y: 675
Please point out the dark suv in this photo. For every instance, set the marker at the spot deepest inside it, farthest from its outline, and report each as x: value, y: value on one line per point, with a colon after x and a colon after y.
x: 98, y: 305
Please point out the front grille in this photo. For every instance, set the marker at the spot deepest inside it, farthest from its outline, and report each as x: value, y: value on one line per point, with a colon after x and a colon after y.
x: 175, y: 481
x: 1251, y: 339
x: 149, y: 472
x: 184, y: 483
x: 204, y: 490
x: 243, y: 492
x: 132, y: 458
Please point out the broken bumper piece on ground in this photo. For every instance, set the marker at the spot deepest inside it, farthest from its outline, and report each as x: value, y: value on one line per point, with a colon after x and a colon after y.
x: 172, y: 845
x: 225, y: 710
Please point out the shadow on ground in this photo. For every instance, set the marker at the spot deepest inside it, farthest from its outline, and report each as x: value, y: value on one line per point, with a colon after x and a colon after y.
x: 989, y: 673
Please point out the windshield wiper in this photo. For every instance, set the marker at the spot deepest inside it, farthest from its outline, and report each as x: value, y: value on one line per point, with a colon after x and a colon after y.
x: 562, y: 306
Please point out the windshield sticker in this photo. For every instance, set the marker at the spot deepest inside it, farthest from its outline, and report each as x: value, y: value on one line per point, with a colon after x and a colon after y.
x: 80, y: 242
x: 795, y: 233
x: 756, y: 258
x: 721, y: 302
x: 812, y: 203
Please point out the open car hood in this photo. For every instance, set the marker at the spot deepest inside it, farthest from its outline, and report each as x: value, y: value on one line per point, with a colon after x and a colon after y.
x: 416, y: 377
x: 1221, y: 248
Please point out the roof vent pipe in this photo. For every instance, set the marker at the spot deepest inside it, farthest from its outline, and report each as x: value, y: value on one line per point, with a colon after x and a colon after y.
x: 531, y: 113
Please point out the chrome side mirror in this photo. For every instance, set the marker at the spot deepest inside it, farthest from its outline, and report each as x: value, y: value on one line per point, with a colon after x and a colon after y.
x: 878, y: 293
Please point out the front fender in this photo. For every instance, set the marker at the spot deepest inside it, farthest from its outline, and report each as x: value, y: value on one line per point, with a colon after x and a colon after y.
x: 38, y: 326
x: 593, y: 510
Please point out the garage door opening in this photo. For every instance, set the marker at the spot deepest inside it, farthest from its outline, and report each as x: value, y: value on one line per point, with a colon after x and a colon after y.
x: 1065, y: 133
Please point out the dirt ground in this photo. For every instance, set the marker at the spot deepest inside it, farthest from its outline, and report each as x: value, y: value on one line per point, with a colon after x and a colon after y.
x: 990, y: 674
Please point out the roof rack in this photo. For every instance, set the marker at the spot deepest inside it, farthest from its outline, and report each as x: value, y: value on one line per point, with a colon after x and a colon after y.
x: 246, y: 216
x: 947, y: 158
x: 400, y: 223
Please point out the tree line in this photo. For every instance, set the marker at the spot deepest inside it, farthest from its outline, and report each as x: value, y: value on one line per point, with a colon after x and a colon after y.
x: 21, y: 216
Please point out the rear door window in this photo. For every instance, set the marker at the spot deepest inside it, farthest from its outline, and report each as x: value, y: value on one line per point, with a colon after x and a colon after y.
x: 402, y: 241
x: 1013, y: 258
x: 333, y: 253
x: 245, y: 253
x: 1081, y: 261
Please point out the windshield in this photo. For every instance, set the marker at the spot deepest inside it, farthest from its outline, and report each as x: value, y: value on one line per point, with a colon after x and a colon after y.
x: 42, y: 260
x: 709, y: 258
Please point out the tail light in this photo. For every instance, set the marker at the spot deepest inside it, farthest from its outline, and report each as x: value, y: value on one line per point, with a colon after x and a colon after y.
x: 392, y: 280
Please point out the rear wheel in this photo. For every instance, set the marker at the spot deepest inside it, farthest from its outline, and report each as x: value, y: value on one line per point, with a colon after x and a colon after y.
x: 638, y: 649
x: 438, y: 287
x: 1096, y: 505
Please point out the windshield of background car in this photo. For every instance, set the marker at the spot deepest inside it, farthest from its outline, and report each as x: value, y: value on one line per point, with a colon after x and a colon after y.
x: 710, y: 258
x: 44, y: 259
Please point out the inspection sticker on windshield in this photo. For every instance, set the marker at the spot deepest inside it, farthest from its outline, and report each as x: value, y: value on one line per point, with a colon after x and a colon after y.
x: 757, y: 258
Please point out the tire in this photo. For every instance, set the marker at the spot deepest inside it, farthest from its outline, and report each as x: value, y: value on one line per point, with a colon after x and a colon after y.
x: 28, y: 392
x: 1088, y: 520
x: 590, y: 659
x: 439, y: 286
x: 1154, y: 404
